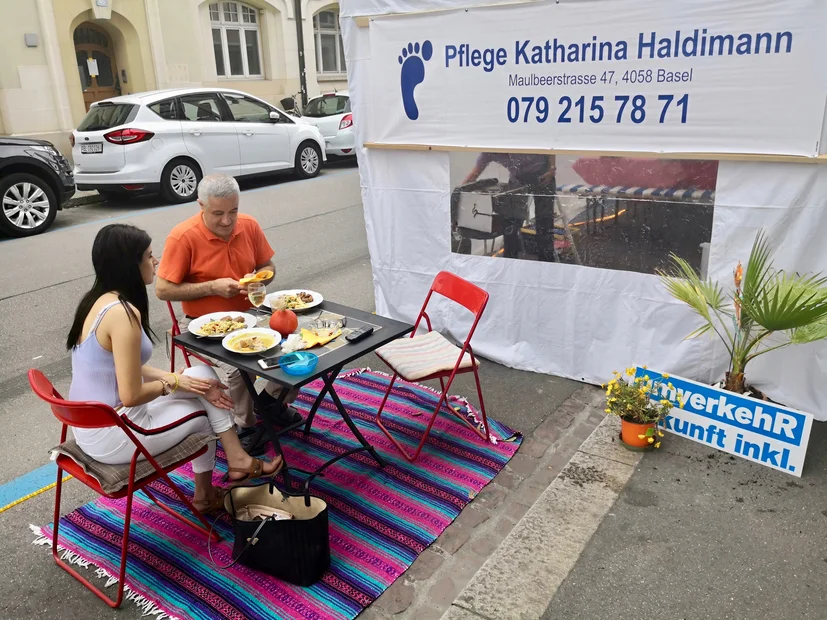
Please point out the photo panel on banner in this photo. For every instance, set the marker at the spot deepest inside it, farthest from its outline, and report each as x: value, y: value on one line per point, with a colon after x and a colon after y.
x: 627, y: 214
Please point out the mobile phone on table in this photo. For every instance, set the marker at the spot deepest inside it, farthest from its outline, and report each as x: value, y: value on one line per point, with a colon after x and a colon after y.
x: 268, y: 363
x: 359, y: 334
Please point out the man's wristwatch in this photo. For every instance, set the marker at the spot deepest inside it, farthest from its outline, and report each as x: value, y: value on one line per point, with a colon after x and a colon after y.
x: 166, y: 390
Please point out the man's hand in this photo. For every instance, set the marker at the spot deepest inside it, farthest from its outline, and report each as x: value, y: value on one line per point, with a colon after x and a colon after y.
x: 475, y: 173
x: 548, y: 176
x: 227, y: 288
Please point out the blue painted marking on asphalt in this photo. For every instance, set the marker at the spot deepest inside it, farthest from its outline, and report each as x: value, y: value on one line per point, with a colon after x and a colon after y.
x: 135, y: 213
x: 27, y: 483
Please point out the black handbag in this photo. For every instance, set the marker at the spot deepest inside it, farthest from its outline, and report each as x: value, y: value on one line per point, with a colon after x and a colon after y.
x: 296, y: 550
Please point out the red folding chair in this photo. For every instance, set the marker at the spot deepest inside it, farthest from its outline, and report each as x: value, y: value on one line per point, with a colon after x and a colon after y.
x: 432, y: 356
x: 98, y: 415
x: 176, y: 331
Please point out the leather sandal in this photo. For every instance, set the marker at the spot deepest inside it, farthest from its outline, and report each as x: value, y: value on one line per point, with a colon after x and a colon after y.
x: 256, y: 470
x: 211, y: 506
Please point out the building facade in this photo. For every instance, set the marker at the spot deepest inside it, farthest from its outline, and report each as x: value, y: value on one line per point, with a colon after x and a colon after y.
x: 59, y: 56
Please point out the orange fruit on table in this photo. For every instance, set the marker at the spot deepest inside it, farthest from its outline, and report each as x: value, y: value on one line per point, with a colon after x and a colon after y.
x: 284, y: 322
x: 261, y: 276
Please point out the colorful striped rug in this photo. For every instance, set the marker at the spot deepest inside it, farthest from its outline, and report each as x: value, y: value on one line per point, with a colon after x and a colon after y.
x: 380, y: 519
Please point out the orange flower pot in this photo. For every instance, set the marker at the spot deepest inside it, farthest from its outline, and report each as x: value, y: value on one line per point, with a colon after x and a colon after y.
x: 629, y: 432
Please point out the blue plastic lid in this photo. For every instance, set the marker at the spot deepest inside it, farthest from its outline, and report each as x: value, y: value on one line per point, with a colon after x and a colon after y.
x: 298, y: 363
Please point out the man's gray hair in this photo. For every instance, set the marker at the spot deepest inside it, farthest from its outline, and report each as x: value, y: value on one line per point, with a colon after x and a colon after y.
x: 217, y: 186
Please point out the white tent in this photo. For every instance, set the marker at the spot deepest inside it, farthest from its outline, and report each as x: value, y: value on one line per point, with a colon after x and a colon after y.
x: 571, y: 320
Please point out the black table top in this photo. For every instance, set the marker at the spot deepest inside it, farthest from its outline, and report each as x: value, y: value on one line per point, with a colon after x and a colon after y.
x: 390, y: 330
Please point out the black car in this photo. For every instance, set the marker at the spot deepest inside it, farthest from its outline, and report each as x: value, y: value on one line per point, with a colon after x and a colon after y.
x: 35, y: 182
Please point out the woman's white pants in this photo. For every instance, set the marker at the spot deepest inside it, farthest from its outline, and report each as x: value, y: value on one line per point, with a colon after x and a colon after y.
x: 113, y: 447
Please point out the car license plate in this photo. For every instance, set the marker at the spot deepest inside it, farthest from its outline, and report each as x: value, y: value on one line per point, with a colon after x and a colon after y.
x: 95, y: 147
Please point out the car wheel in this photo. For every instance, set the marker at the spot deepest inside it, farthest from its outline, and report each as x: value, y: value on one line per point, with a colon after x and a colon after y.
x: 179, y: 181
x: 308, y: 160
x: 28, y: 205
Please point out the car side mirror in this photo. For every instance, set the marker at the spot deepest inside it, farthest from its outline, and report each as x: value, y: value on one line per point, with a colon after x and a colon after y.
x: 274, y: 117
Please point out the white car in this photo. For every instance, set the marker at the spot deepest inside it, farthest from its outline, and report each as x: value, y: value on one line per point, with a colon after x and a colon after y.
x: 331, y: 114
x: 167, y: 140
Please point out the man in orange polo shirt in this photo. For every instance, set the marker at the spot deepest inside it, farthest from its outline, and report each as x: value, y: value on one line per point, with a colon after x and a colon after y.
x: 203, y: 260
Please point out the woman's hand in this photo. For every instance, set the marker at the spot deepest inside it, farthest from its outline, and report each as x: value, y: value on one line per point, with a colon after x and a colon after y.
x: 210, y: 390
x: 217, y: 397
x: 193, y: 384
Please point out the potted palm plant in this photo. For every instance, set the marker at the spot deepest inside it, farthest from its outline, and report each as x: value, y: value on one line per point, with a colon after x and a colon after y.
x: 767, y: 309
x: 641, y: 412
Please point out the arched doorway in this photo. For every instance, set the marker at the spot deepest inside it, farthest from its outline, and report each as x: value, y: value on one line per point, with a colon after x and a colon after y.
x: 94, y: 50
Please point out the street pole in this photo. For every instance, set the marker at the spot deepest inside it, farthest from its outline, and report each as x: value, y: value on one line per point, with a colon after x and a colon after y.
x: 300, y: 38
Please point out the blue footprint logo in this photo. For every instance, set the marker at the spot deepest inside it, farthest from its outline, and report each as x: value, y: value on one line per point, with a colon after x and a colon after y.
x: 413, y: 73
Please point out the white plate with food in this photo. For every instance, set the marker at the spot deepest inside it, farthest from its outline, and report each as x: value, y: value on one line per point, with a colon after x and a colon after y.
x: 219, y: 324
x: 253, y: 341
x: 297, y: 299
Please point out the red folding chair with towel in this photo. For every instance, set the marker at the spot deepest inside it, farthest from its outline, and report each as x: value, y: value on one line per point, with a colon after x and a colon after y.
x: 432, y: 356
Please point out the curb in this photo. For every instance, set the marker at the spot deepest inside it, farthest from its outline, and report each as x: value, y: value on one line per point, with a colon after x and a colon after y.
x: 519, y: 580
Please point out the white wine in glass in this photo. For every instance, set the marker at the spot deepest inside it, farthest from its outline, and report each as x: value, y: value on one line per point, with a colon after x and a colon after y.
x: 256, y: 293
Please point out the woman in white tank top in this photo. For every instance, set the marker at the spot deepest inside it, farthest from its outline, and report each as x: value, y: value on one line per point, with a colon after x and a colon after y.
x: 111, y: 344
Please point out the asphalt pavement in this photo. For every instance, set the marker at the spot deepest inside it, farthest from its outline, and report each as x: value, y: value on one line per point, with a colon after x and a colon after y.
x: 317, y: 229
x: 697, y: 534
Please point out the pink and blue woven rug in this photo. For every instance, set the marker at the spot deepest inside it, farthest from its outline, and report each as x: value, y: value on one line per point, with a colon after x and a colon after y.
x: 380, y: 519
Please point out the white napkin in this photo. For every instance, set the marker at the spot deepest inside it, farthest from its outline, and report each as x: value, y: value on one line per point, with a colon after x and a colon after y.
x: 294, y: 342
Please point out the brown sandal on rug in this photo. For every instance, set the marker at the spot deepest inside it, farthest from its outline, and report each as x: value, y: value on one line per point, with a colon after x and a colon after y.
x: 211, y: 506
x: 256, y: 470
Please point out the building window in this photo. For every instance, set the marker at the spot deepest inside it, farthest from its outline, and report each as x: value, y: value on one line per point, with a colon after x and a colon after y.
x: 330, y: 53
x: 236, y: 40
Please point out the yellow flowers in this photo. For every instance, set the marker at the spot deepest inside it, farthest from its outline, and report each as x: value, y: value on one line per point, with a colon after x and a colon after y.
x: 641, y: 436
x: 660, y: 433
x: 665, y: 376
x: 639, y: 400
x: 657, y: 445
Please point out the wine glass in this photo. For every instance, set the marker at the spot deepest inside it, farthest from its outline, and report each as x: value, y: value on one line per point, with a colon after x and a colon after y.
x: 256, y: 293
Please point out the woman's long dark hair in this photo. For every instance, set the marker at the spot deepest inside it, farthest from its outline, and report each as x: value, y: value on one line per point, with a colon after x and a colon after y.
x: 116, y: 257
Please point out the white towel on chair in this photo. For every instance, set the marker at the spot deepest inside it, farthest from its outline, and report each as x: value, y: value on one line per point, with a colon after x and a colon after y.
x: 423, y: 355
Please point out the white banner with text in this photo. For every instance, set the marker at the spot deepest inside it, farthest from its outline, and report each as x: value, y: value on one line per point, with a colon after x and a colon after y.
x: 707, y: 76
